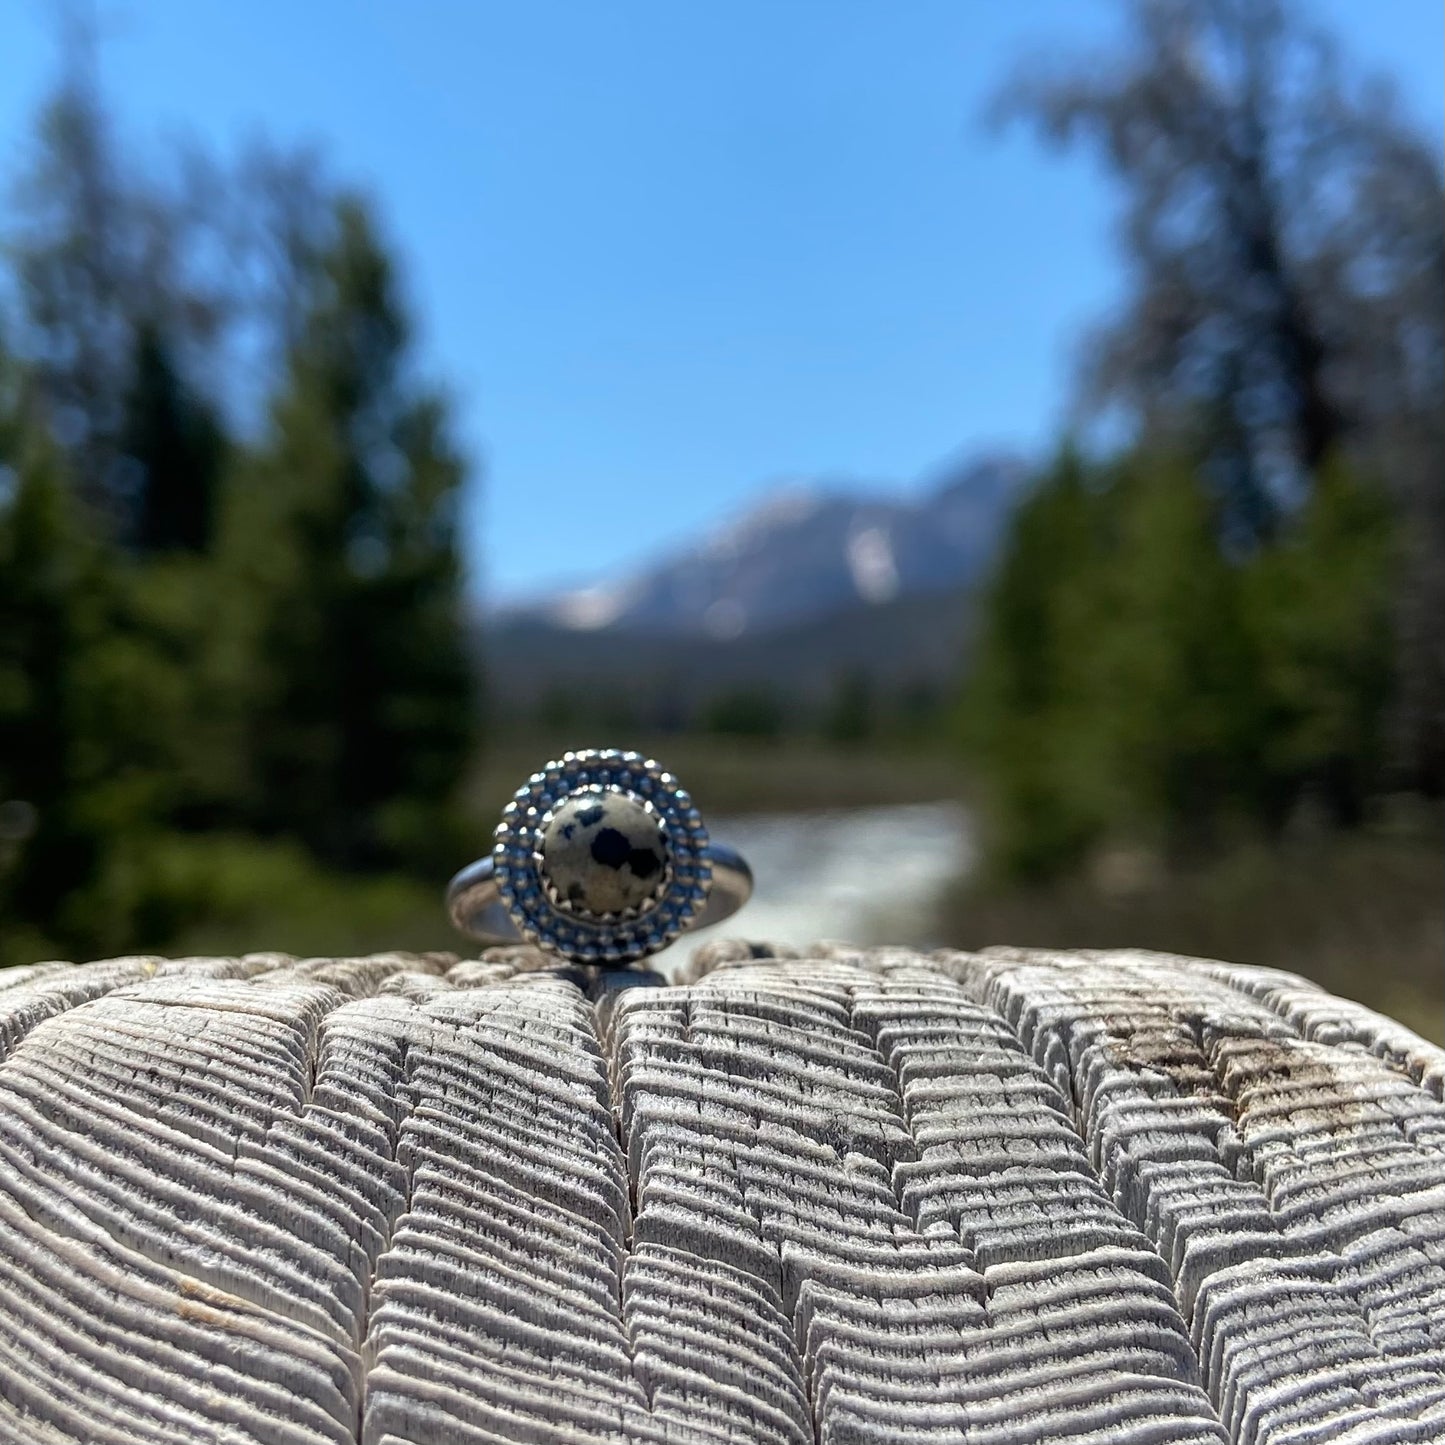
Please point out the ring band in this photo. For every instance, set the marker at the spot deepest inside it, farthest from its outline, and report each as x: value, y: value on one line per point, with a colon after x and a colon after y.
x: 600, y: 857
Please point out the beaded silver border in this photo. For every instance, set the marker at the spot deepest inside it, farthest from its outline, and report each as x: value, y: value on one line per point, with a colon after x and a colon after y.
x: 572, y: 933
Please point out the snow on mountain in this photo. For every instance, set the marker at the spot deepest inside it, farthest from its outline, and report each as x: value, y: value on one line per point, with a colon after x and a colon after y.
x: 802, y: 553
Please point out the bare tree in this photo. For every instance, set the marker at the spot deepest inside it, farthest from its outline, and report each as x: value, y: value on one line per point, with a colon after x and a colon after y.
x: 1285, y: 236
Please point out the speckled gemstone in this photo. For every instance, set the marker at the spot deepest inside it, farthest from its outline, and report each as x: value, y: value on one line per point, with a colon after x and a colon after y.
x: 604, y: 852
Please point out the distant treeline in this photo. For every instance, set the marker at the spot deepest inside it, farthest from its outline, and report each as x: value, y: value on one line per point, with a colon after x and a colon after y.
x: 230, y: 583
x: 864, y: 673
x: 1242, y: 613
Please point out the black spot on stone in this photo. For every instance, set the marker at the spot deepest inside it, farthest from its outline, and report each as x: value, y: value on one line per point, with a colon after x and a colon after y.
x: 568, y: 830
x: 575, y: 893
x: 643, y: 862
x: 592, y: 813
x: 610, y: 848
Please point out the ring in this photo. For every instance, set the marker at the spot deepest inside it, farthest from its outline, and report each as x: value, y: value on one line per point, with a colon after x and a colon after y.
x: 602, y: 858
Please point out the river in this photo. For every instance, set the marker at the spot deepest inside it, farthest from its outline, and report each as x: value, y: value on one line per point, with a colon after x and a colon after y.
x: 866, y: 875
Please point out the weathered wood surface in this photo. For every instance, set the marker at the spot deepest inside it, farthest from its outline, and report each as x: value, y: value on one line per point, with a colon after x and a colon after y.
x: 851, y: 1197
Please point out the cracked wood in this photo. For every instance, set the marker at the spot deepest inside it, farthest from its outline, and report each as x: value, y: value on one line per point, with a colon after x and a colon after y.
x: 844, y: 1197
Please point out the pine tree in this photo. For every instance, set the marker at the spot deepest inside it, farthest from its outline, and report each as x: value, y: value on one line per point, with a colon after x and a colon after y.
x: 1024, y: 708
x: 76, y: 781
x: 173, y: 444
x: 344, y: 537
x: 1174, y: 682
x: 1320, y: 614
x: 1113, y: 695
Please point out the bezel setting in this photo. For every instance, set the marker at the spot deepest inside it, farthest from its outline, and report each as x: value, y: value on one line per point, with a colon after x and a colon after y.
x: 544, y: 919
x: 576, y: 910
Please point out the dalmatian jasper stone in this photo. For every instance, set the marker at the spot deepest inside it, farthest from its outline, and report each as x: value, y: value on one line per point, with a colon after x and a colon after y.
x: 604, y: 852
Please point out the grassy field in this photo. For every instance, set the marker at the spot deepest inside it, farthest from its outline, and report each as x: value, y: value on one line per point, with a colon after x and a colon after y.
x: 1363, y: 915
x: 747, y: 775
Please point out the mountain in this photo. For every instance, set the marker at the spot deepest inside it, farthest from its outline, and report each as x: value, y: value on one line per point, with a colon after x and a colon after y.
x: 802, y: 599
x: 802, y: 554
x: 906, y: 649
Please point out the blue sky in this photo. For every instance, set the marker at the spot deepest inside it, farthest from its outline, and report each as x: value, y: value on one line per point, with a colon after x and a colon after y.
x: 667, y: 255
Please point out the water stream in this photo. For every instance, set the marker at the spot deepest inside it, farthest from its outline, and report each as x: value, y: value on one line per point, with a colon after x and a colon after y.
x: 866, y: 875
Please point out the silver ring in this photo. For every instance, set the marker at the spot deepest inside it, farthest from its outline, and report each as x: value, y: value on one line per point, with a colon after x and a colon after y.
x: 600, y: 857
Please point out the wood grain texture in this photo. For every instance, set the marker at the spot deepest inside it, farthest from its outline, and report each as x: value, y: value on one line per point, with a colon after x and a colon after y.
x: 847, y: 1197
